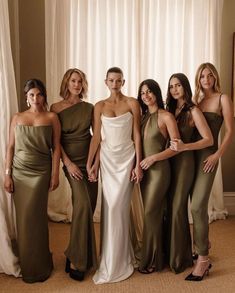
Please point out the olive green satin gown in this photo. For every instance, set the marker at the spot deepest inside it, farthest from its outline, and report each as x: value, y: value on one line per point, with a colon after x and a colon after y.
x: 75, y: 139
x: 182, y: 170
x: 31, y: 176
x: 154, y: 186
x: 202, y: 187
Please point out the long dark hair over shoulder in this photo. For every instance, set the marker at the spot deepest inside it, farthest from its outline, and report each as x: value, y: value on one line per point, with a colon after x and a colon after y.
x: 154, y: 87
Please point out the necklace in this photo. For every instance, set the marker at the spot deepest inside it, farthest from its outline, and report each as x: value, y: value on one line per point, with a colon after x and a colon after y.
x: 180, y: 107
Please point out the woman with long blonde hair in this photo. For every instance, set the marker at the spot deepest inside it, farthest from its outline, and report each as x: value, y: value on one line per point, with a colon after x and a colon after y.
x: 216, y: 107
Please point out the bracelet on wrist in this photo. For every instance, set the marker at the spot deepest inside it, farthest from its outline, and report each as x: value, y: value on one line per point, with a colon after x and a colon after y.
x: 8, y: 172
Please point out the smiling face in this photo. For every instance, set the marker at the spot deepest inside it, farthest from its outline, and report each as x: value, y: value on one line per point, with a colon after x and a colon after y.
x: 114, y: 81
x: 75, y: 84
x: 176, y: 89
x: 35, y: 98
x: 147, y: 96
x: 207, y: 79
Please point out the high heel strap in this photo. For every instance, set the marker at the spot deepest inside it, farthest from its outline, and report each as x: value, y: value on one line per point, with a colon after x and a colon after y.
x: 192, y: 277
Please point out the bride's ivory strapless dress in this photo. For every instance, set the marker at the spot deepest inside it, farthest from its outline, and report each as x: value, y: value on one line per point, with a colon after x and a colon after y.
x: 117, y: 157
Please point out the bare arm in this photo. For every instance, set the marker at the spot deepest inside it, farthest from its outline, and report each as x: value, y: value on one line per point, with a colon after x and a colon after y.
x: 56, y: 153
x: 227, y: 111
x: 137, y: 172
x: 173, y: 132
x: 204, y: 131
x: 8, y: 182
x: 96, y: 138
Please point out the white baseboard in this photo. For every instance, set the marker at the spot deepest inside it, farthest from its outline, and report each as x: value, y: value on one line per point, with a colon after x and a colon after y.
x: 229, y: 202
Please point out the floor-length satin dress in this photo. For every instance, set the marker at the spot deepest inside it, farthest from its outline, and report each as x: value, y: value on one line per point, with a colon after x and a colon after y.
x: 117, y: 156
x: 202, y: 186
x: 75, y: 139
x: 182, y: 170
x: 153, y: 187
x: 31, y: 176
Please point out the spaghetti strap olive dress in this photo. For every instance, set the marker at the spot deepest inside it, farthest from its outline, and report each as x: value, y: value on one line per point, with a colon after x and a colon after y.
x: 31, y: 176
x: 154, y: 187
x: 75, y: 140
x: 203, y: 185
x: 182, y: 170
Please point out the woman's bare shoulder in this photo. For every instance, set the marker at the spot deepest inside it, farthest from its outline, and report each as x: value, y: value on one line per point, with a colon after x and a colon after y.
x: 58, y: 106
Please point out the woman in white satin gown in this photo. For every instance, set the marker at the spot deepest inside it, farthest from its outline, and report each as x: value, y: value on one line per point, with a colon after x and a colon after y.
x: 117, y: 133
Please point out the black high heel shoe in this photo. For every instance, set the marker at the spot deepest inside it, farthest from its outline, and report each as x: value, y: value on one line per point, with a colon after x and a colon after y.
x: 195, y: 278
x: 76, y: 275
x: 67, y: 265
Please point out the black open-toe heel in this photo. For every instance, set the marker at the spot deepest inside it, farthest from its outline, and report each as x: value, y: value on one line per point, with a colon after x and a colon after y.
x: 195, y: 278
x: 67, y: 265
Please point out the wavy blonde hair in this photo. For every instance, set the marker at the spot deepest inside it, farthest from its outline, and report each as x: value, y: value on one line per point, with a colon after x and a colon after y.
x: 64, y: 91
x: 198, y: 96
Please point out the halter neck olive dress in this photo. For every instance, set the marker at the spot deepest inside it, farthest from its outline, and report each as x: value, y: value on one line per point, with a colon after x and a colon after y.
x: 31, y: 176
x: 182, y: 170
x: 75, y: 140
x: 154, y: 186
x: 203, y: 185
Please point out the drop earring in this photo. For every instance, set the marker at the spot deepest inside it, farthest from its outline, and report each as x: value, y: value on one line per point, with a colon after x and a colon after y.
x: 27, y: 102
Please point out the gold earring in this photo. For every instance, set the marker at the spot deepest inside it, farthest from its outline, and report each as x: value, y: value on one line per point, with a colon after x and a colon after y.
x: 27, y: 102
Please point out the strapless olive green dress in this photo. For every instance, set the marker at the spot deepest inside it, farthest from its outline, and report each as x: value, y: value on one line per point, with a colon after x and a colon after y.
x: 75, y: 139
x: 202, y: 187
x: 31, y: 176
x: 154, y: 187
x: 182, y: 170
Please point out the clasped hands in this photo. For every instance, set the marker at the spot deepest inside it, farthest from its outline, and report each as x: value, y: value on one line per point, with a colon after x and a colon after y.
x: 93, y: 173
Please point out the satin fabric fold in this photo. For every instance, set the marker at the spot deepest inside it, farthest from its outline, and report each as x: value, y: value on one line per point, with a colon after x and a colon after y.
x: 117, y: 156
x: 31, y: 176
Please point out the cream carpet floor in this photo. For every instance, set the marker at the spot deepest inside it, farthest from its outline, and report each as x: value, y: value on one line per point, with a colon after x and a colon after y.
x: 221, y: 278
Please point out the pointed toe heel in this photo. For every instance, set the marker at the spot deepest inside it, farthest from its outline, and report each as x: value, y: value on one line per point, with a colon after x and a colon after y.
x: 194, y: 278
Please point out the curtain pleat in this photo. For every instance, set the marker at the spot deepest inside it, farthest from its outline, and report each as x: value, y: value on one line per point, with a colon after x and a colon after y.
x: 146, y: 38
x: 8, y: 105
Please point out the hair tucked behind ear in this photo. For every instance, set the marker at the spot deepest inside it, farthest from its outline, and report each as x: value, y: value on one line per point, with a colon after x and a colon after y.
x: 36, y: 83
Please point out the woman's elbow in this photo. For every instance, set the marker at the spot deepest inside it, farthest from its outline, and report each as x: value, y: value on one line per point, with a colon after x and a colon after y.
x: 210, y: 141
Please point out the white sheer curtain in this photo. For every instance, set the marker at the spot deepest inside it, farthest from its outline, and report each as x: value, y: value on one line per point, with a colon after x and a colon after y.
x: 8, y: 106
x: 146, y: 38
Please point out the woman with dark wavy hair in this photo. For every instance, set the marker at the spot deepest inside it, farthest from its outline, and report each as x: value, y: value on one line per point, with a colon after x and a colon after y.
x: 157, y: 127
x: 189, y: 118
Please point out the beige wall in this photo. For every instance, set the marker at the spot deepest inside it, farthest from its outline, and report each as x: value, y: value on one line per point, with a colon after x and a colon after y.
x: 27, y: 23
x: 228, y: 27
x: 28, y: 47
